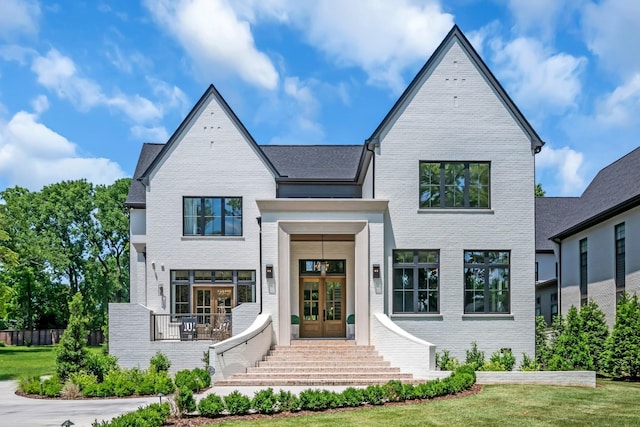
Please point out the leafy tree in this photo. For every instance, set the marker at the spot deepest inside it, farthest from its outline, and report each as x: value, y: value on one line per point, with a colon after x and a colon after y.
x: 542, y: 341
x: 594, y: 326
x: 623, y: 345
x: 569, y: 350
x: 71, y: 353
x: 8, y: 259
x: 539, y: 191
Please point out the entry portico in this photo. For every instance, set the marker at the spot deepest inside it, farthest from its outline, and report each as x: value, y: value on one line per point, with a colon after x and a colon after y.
x: 359, y: 225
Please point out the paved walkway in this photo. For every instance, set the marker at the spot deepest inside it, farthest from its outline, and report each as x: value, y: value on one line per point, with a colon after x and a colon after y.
x: 24, y: 412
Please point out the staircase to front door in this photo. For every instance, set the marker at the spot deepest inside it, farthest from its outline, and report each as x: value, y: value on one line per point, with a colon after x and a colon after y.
x: 319, y: 363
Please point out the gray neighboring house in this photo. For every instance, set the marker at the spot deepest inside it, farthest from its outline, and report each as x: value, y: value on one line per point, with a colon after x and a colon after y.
x: 593, y: 238
x: 410, y: 234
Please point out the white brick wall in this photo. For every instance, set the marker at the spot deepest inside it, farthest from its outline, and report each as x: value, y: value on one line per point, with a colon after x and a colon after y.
x: 474, y: 126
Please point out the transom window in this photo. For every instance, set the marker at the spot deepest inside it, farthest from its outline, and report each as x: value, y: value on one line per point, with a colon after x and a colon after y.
x: 487, y: 277
x: 212, y: 216
x: 454, y: 185
x: 416, y: 281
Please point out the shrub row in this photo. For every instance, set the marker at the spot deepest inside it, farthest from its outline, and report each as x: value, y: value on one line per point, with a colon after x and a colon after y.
x: 500, y: 360
x: 268, y: 402
x: 154, y: 415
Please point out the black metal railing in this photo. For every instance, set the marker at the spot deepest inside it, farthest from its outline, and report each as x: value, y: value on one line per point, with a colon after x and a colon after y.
x: 189, y: 327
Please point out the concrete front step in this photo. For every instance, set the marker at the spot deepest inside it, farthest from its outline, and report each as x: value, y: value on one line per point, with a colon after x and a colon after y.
x: 319, y: 363
x: 321, y: 369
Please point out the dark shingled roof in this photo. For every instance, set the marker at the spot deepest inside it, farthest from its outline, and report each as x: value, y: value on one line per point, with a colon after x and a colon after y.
x: 614, y: 190
x: 309, y: 162
x: 137, y: 194
x: 553, y: 214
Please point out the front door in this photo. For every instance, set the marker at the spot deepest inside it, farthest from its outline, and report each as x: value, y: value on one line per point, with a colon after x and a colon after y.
x: 212, y: 302
x: 322, y: 303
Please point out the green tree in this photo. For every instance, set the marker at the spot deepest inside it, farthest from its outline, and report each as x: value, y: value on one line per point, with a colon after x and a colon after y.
x: 623, y: 345
x: 594, y: 326
x: 71, y: 353
x: 569, y: 350
x: 542, y: 341
x: 539, y: 191
x: 8, y: 259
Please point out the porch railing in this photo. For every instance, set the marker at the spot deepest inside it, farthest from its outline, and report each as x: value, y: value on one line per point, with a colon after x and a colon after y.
x: 189, y: 327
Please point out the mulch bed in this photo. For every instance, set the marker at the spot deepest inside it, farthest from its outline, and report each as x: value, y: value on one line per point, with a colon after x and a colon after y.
x: 201, y: 421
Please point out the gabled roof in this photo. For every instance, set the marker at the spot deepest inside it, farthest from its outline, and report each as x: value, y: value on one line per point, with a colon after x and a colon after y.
x: 434, y: 60
x: 210, y: 92
x: 315, y: 162
x: 137, y: 195
x: 614, y: 190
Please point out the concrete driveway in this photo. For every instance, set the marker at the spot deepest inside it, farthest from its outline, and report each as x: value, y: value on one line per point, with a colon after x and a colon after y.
x: 21, y: 411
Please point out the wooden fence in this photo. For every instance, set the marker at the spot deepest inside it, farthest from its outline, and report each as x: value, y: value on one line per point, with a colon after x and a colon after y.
x: 44, y: 337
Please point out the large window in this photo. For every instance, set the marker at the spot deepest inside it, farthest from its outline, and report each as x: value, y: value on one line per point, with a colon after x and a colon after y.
x: 583, y: 271
x: 212, y: 216
x: 415, y: 281
x: 620, y: 255
x: 454, y: 185
x: 486, y: 275
x: 243, y: 283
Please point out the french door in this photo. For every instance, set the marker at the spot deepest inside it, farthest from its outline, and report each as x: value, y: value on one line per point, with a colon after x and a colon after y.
x: 322, y: 307
x: 212, y: 301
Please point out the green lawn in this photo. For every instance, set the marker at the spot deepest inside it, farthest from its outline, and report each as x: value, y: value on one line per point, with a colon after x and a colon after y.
x: 610, y: 404
x: 21, y: 361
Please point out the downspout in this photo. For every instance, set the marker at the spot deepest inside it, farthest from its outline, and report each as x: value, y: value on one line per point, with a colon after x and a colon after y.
x: 146, y: 303
x: 373, y: 165
x: 259, y: 219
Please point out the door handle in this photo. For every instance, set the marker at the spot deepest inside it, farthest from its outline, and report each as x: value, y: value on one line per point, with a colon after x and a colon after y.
x: 324, y: 315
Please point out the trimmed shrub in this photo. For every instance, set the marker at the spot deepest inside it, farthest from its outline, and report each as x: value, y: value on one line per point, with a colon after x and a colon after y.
x: 623, y: 345
x: 570, y: 350
x: 195, y: 379
x: 51, y: 387
x: 446, y: 362
x: 287, y: 401
x: 474, y: 357
x: 264, y: 401
x: 352, y: 397
x: 237, y: 403
x: 528, y: 364
x: 185, y: 379
x: 71, y: 352
x: 211, y: 406
x: 332, y: 399
x: 163, y: 383
x: 154, y: 415
x: 501, y: 360
x: 596, y: 331
x: 542, y: 342
x: 100, y: 365
x: 204, y: 376
x: 409, y: 391
x: 429, y: 390
x: 374, y: 395
x: 146, y: 384
x: 83, y: 379
x: 160, y: 362
x: 394, y: 391
x: 466, y: 369
x: 30, y: 385
x: 185, y: 401
x: 313, y: 400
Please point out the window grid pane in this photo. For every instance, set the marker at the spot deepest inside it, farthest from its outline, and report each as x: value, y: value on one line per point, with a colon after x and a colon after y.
x: 212, y: 216
x: 487, y: 282
x: 454, y: 185
x: 415, y: 281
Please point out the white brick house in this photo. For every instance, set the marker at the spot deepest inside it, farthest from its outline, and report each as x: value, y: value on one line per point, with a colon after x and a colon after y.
x: 424, y: 233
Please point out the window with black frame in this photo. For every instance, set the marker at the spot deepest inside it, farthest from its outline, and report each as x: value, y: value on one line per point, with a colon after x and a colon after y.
x: 454, y: 185
x: 487, y: 282
x: 416, y: 281
x: 212, y: 216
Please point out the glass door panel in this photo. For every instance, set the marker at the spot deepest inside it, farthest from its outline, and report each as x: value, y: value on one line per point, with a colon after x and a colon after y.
x: 322, y: 307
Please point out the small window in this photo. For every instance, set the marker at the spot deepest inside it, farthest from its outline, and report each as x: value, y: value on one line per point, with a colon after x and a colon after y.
x: 224, y: 275
x: 203, y: 276
x: 583, y: 272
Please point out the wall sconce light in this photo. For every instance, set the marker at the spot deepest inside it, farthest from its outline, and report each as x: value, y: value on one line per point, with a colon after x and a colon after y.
x: 153, y: 264
x: 269, y: 271
x: 160, y: 289
x: 376, y: 271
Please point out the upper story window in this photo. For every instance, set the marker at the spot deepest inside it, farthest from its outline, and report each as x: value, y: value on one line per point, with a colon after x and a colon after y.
x: 583, y: 271
x: 454, y: 185
x: 212, y: 216
x: 620, y: 258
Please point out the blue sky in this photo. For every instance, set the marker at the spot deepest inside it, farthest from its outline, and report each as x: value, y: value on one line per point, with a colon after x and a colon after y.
x: 84, y: 84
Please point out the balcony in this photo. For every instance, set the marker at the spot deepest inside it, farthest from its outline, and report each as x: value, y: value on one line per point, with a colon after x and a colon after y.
x: 190, y: 327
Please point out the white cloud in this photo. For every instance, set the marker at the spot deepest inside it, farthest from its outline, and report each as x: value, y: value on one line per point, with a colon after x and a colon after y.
x: 536, y: 76
x: 150, y: 134
x: 611, y: 30
x: 40, y: 104
x: 621, y: 108
x: 59, y: 74
x: 18, y: 17
x: 33, y: 155
x: 567, y: 167
x: 216, y: 40
x: 381, y: 37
